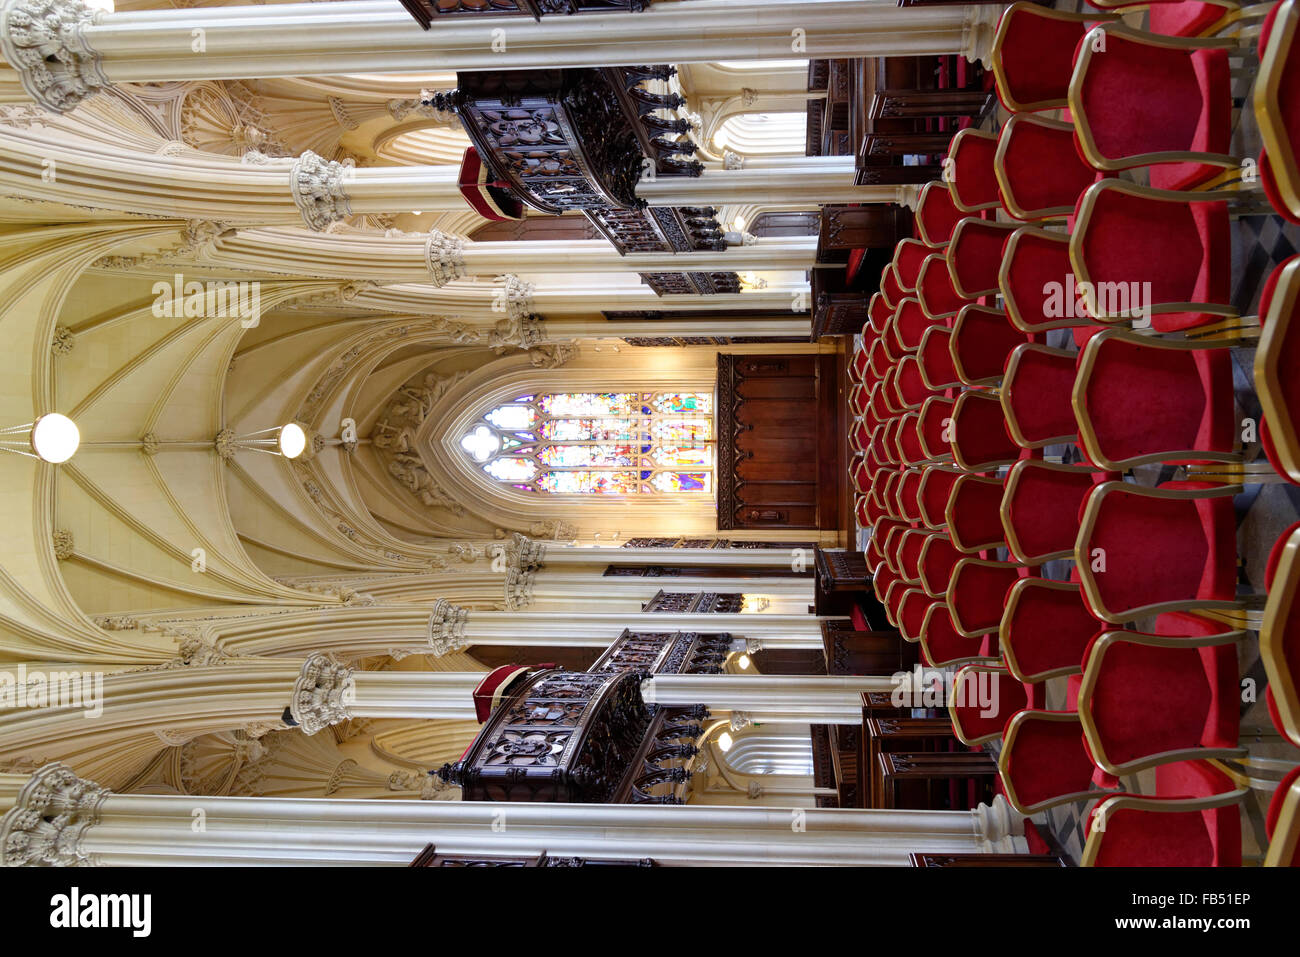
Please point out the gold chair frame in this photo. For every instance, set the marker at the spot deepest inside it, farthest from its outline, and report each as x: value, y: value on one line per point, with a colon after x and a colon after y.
x: 999, y: 39
x: 950, y: 512
x: 1088, y: 688
x: 957, y: 571
x: 1007, y: 392
x: 970, y: 133
x: 1136, y: 802
x: 947, y: 662
x: 963, y: 317
x: 1009, y: 487
x: 1088, y: 437
x: 934, y: 386
x: 1268, y: 107
x: 958, y: 679
x: 1087, y: 525
x: 1007, y: 646
x: 963, y: 226
x: 1270, y: 372
x: 1009, y: 200
x: 1272, y: 632
x: 967, y: 397
x: 1018, y: 317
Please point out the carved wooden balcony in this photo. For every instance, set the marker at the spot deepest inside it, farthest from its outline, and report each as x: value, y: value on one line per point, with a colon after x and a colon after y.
x: 426, y: 11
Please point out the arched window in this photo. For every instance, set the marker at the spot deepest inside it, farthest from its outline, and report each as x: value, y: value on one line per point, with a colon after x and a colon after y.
x: 599, y: 443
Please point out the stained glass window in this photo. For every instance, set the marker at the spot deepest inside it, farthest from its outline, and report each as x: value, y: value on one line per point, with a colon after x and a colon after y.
x: 599, y: 443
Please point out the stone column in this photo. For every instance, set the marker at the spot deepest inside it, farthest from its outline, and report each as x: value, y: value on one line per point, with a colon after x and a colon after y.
x: 65, y: 52
x: 815, y: 699
x: 56, y: 818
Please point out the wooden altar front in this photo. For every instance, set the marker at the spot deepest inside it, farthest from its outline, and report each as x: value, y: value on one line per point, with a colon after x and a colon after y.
x: 780, y: 457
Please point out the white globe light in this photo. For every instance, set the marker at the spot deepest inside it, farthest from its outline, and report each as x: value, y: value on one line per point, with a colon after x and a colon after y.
x: 292, y: 440
x: 55, y: 437
x: 725, y: 741
x: 743, y: 661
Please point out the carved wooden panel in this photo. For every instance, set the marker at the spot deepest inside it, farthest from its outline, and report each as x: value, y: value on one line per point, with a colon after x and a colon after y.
x: 695, y: 602
x: 777, y: 445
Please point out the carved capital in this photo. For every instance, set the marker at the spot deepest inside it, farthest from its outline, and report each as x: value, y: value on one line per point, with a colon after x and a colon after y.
x: 531, y: 553
x: 44, y: 40
x: 63, y: 544
x: 323, y: 694
x: 447, y: 627
x: 515, y: 297
x: 50, y: 817
x: 445, y: 257
x: 317, y: 186
x: 225, y: 443
x: 731, y: 160
x: 740, y: 720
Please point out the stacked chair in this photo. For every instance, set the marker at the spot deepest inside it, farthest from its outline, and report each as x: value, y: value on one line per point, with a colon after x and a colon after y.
x: 959, y: 392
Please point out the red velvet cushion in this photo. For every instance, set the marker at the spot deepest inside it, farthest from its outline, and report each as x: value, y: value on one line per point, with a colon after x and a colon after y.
x: 1149, y: 401
x: 1165, y: 550
x: 977, y: 592
x: 933, y: 495
x: 1275, y: 806
x: 943, y: 645
x: 1043, y: 507
x: 910, y: 323
x: 940, y: 216
x: 1050, y: 628
x: 1286, y: 351
x: 936, y: 292
x: 975, y: 504
x: 973, y: 183
x: 933, y: 426
x: 908, y: 256
x: 935, y: 357
x: 1038, y: 265
x: 859, y: 618
x: 1176, y: 838
x: 1182, y: 250
x: 890, y: 287
x: 985, y: 701
x: 975, y: 255
x: 911, y: 389
x: 1275, y: 555
x: 1042, y: 166
x: 982, y: 340
x: 1047, y: 760
x: 1185, y: 19
x: 1148, y: 700
x: 940, y: 557
x: 908, y: 488
x: 979, y: 431
x: 1036, y: 56
x: 1038, y: 395
x: 1138, y: 98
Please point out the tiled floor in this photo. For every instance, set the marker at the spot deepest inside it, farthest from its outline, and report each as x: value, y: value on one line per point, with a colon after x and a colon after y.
x: 1263, y: 510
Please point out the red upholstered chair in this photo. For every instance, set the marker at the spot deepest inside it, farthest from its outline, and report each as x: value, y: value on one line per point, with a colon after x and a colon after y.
x: 1040, y: 172
x: 979, y: 433
x: 907, y: 327
x: 883, y: 582
x: 1193, y: 821
x: 1179, y: 18
x: 910, y: 384
x: 937, y: 371
x: 932, y: 496
x: 910, y: 451
x: 982, y: 340
x: 858, y: 398
x: 1153, y: 699
x: 1046, y: 628
x: 1032, y: 55
x: 1138, y: 99
x: 858, y: 367
x: 942, y: 645
x: 1276, y: 360
x: 879, y: 310
x: 939, y: 300
x: 890, y: 286
x: 975, y: 256
x: 983, y: 699
x: 909, y: 554
x: 907, y: 492
x: 1279, y: 634
x: 888, y: 395
x: 878, y: 360
x: 1044, y: 761
x: 1036, y: 395
x: 973, y: 513
x: 908, y: 255
x: 1139, y: 399
x: 1282, y: 823
x: 1170, y: 253
x: 938, y: 558
x: 1039, y: 508
x: 1277, y: 106
x: 858, y: 474
x: 859, y: 437
x: 976, y: 594
x: 935, y: 428
x: 1171, y: 548
x: 936, y: 215
x: 1036, y: 279
x: 913, y: 607
x: 968, y: 168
